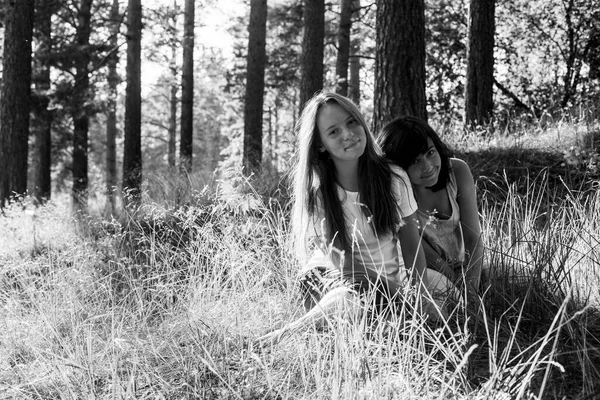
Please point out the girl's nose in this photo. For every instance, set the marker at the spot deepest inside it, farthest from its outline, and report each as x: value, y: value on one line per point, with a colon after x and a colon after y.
x: 348, y: 134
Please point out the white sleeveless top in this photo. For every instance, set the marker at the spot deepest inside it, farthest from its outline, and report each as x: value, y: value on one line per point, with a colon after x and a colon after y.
x: 379, y: 254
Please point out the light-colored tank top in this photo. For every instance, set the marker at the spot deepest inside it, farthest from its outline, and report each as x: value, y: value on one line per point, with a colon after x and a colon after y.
x: 445, y: 235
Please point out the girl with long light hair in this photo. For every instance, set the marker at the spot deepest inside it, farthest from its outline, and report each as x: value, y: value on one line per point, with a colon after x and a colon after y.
x: 353, y: 210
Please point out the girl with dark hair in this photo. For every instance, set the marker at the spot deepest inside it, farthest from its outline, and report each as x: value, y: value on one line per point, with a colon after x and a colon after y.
x: 445, y: 192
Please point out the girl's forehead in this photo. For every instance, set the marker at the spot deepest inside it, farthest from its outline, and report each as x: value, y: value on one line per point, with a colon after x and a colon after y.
x: 331, y: 113
x: 421, y: 145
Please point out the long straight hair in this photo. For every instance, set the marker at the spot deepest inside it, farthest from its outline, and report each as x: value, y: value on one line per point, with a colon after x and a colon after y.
x: 404, y: 138
x: 315, y: 182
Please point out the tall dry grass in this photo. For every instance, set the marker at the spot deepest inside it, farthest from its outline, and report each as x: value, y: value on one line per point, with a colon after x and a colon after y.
x: 167, y: 303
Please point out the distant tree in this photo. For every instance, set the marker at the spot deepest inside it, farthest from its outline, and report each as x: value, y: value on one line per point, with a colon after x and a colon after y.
x: 16, y: 96
x: 80, y: 114
x: 255, y: 86
x: 446, y: 31
x: 42, y: 116
x: 174, y: 88
x: 111, y: 114
x: 313, y: 44
x: 479, y: 103
x: 399, y: 61
x: 547, y: 55
x: 187, y: 89
x: 132, y: 152
x: 343, y: 39
x: 72, y: 99
x: 161, y: 107
x: 354, y: 60
x: 284, y: 51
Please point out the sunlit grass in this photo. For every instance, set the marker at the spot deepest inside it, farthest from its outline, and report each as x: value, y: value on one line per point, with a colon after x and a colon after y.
x: 168, y: 302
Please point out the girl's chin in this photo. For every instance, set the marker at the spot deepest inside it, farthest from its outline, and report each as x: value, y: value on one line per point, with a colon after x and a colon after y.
x: 429, y: 183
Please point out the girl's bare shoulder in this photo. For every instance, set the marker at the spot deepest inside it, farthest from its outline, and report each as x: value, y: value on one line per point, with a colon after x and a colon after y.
x: 462, y: 172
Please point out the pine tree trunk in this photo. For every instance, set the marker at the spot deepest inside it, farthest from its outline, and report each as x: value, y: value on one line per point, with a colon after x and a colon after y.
x: 42, y: 185
x: 132, y: 152
x: 399, y: 61
x: 354, y: 61
x: 111, y: 117
x: 479, y: 102
x: 172, y: 144
x: 311, y: 63
x: 80, y: 115
x: 187, y: 89
x: 15, y: 99
x: 255, y: 87
x: 343, y: 55
x: 172, y: 147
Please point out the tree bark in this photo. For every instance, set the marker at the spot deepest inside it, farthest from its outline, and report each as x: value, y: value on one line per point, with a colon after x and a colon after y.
x: 81, y: 97
x: 354, y: 61
x: 187, y: 89
x: 132, y: 153
x: 42, y: 122
x: 343, y: 55
x: 399, y: 61
x: 172, y: 147
x: 111, y: 116
x: 480, y: 63
x: 255, y: 87
x: 15, y: 99
x: 311, y: 62
x: 172, y: 144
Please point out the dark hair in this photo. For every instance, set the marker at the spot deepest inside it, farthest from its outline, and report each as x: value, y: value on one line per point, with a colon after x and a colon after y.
x: 315, y: 179
x: 404, y: 138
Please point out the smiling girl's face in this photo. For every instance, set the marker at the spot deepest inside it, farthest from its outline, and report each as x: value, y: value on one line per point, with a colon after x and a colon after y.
x: 341, y: 135
x: 425, y: 169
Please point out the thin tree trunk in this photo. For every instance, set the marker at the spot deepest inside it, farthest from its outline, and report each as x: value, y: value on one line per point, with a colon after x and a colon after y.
x: 479, y: 103
x: 187, y: 89
x: 354, y: 61
x: 111, y: 117
x: 132, y: 154
x: 43, y: 116
x: 80, y: 115
x: 311, y: 64
x: 172, y: 145
x: 343, y: 55
x: 16, y: 99
x: 171, y: 156
x: 275, y: 157
x: 255, y: 86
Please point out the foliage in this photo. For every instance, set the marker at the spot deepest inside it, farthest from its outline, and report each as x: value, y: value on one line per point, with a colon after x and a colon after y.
x: 446, y: 57
x: 546, y: 52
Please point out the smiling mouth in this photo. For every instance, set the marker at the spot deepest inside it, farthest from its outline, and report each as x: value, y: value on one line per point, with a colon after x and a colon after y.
x: 352, y: 145
x: 428, y: 176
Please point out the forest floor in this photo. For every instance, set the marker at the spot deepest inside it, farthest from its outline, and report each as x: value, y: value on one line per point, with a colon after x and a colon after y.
x: 168, y: 302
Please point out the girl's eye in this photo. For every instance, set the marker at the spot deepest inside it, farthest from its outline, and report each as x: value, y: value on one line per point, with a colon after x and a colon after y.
x: 431, y: 152
x: 415, y: 161
x: 351, y: 121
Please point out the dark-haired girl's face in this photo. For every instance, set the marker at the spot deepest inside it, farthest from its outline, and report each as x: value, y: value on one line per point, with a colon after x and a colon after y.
x: 425, y: 169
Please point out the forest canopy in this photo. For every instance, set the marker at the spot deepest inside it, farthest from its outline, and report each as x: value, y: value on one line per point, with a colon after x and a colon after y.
x: 546, y: 62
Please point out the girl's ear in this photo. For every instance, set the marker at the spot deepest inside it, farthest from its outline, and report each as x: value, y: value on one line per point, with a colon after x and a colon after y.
x: 320, y: 147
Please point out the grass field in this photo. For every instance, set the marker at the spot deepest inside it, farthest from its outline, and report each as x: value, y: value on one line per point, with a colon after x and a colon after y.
x: 167, y: 303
